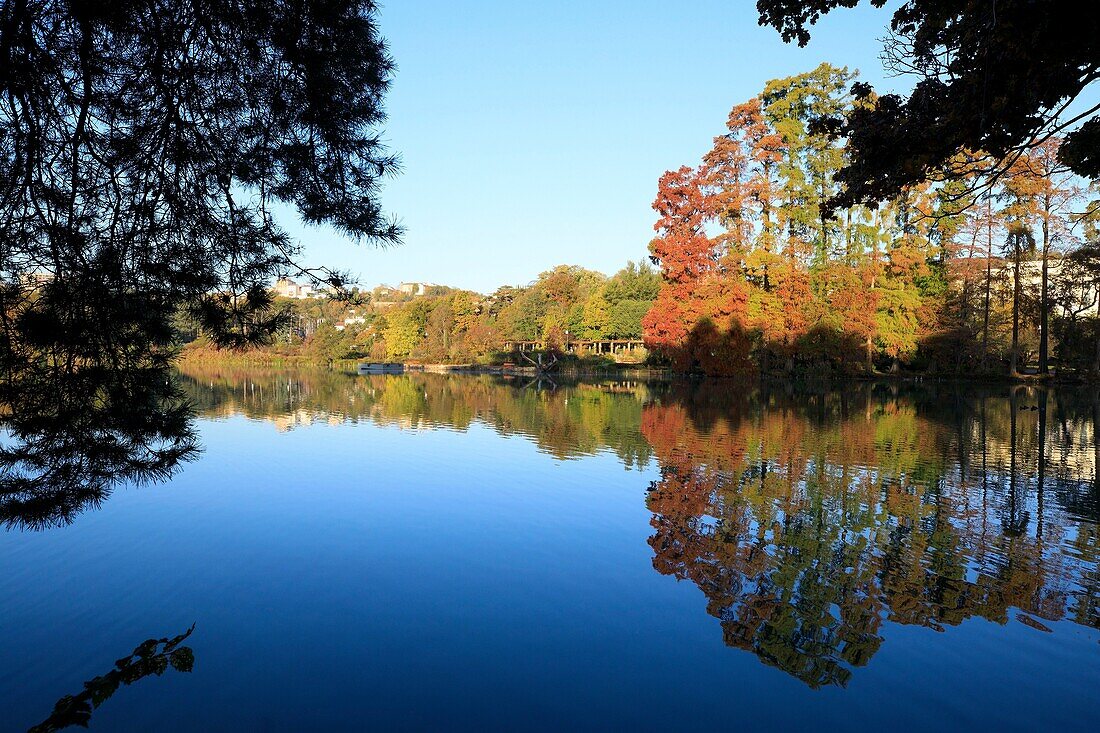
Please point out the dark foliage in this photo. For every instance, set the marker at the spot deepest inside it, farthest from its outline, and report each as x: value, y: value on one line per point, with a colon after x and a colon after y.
x: 993, y: 77
x: 79, y: 432
x: 142, y: 143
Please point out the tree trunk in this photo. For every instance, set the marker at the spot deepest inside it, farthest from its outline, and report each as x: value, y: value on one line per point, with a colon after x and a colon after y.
x: 988, y: 282
x: 1044, y: 314
x: 848, y: 244
x: 968, y: 291
x: 869, y: 344
x: 1096, y: 357
x: 1015, y: 305
x: 824, y: 223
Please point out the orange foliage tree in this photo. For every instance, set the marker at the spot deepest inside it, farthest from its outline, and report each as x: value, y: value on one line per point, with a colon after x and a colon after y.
x: 758, y: 273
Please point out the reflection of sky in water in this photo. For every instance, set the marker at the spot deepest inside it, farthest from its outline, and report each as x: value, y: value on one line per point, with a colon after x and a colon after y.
x: 354, y: 574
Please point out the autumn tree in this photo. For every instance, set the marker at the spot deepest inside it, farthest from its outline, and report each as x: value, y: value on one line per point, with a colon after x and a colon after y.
x: 795, y: 107
x: 1021, y: 191
x: 1057, y: 193
x: 755, y: 232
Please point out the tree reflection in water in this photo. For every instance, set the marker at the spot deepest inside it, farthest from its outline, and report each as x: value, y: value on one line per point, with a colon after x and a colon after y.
x: 578, y: 419
x: 86, y: 395
x: 71, y: 432
x: 810, y: 520
x: 151, y: 657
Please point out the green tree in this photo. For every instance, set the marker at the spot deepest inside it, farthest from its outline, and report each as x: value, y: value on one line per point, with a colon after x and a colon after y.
x: 596, y: 317
x: 326, y: 343
x: 405, y: 329
x: 636, y: 281
x: 625, y: 319
x: 795, y: 106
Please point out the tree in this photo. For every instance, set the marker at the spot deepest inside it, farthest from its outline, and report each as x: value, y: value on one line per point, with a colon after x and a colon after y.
x: 1056, y: 194
x: 595, y: 319
x: 795, y: 106
x: 749, y: 246
x: 405, y: 329
x: 683, y: 251
x: 143, y: 143
x: 1022, y: 189
x: 528, y: 315
x: 1020, y: 243
x: 1084, y: 265
x: 326, y: 343
x: 974, y: 256
x: 682, y: 247
x: 625, y: 319
x: 636, y: 281
x: 800, y: 283
x: 439, y: 330
x: 991, y: 76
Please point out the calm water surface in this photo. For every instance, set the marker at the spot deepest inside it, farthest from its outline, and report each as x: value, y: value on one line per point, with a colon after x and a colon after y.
x: 466, y: 553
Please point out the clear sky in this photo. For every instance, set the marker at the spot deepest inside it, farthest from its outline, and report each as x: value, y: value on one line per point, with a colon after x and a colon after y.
x: 533, y: 134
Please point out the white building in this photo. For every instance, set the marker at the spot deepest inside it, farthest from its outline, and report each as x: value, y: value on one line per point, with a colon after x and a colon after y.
x: 414, y: 288
x: 1082, y: 293
x: 351, y: 320
x: 287, y: 288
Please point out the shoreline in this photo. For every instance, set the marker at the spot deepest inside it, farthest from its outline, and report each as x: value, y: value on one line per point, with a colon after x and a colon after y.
x: 207, y: 357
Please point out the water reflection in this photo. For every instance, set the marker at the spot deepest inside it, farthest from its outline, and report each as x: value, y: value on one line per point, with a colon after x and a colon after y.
x: 151, y: 657
x: 810, y: 520
x: 70, y: 431
x: 577, y: 419
x: 813, y: 521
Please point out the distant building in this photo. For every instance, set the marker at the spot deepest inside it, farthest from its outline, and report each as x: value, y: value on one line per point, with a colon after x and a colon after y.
x: 351, y: 320
x: 1080, y: 294
x: 414, y: 288
x: 287, y: 288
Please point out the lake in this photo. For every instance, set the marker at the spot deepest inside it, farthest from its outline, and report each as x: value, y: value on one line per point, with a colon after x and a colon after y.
x: 468, y: 553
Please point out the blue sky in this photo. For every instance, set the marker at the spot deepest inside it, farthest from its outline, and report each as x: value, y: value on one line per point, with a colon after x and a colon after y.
x: 533, y: 134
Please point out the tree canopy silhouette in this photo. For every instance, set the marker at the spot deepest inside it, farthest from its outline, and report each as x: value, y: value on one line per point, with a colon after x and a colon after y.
x: 992, y: 76
x: 143, y: 143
